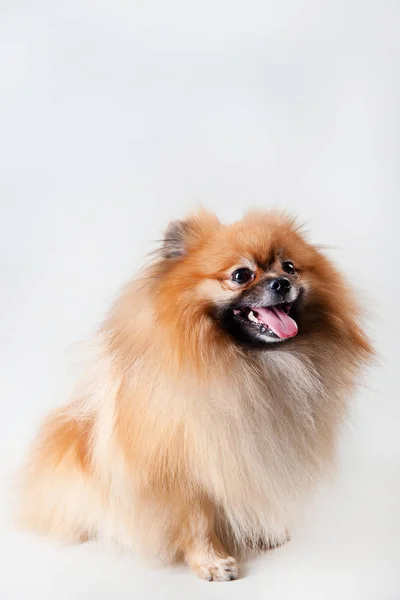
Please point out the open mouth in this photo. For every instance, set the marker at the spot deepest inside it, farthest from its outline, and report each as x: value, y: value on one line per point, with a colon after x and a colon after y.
x: 274, y: 321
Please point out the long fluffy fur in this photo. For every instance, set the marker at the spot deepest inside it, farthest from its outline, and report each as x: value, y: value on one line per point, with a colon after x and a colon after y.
x: 175, y: 416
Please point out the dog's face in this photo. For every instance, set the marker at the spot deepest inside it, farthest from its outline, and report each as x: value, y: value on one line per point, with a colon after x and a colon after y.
x: 258, y: 279
x: 266, y: 299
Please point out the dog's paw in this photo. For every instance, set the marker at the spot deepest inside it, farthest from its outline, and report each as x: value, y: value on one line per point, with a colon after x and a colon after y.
x: 218, y: 569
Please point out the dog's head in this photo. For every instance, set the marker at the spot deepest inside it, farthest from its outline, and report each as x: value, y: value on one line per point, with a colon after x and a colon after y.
x: 259, y: 280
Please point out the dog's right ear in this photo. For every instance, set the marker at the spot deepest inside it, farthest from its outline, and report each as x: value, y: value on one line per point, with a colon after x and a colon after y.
x: 174, y: 243
x: 181, y: 236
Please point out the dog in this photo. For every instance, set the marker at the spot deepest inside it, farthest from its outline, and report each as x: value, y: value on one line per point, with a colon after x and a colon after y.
x: 222, y: 377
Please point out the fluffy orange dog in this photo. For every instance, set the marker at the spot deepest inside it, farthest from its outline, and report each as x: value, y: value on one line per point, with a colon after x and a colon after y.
x: 213, y: 407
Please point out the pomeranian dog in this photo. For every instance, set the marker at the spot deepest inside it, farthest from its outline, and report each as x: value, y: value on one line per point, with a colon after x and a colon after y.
x: 222, y: 377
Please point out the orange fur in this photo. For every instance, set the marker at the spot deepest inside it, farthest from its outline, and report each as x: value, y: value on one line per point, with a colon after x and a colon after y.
x: 180, y: 442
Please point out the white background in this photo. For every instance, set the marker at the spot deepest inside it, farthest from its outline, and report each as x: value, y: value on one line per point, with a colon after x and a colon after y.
x: 118, y: 115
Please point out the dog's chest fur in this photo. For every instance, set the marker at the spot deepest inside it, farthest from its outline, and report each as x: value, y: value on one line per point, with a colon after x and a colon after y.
x: 258, y: 436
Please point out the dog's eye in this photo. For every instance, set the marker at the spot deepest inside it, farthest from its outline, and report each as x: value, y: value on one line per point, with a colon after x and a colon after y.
x: 242, y: 276
x: 288, y: 267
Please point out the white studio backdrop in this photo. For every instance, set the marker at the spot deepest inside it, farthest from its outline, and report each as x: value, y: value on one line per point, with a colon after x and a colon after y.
x: 119, y: 115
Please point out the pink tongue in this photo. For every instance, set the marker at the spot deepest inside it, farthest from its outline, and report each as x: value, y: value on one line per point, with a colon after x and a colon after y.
x: 277, y: 320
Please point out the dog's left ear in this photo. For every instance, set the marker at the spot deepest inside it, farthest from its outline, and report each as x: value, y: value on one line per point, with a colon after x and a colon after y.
x: 181, y: 236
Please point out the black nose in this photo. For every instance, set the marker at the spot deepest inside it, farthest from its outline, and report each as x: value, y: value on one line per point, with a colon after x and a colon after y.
x: 281, y: 285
